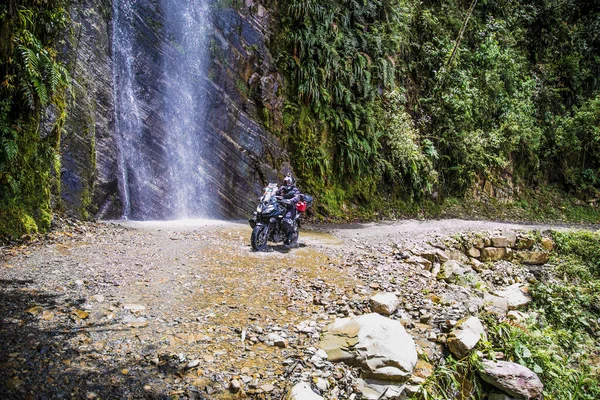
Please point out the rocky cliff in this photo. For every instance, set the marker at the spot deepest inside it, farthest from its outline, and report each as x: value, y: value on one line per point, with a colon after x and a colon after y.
x: 241, y: 89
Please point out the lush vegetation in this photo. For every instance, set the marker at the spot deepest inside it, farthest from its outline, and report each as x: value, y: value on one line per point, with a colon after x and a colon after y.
x: 32, y: 110
x: 420, y: 99
x: 559, y: 340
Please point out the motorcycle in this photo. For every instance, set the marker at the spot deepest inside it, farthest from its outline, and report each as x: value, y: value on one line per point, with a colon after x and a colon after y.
x: 267, y: 223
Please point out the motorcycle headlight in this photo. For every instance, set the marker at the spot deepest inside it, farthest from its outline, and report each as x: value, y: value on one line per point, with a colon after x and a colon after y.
x: 259, y: 208
x: 268, y: 208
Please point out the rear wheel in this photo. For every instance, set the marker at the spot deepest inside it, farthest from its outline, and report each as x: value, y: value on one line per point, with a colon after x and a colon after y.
x: 292, y: 238
x: 259, y: 237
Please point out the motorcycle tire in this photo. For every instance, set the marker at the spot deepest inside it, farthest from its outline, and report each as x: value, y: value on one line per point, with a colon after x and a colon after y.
x: 259, y: 237
x: 293, y: 240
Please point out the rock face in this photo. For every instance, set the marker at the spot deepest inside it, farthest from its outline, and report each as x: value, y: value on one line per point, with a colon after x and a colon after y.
x: 88, y: 148
x: 241, y: 92
x: 514, y: 379
x: 378, y: 345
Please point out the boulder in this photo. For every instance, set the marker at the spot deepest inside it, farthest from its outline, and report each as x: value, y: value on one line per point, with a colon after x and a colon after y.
x: 380, y: 346
x: 532, y: 257
x: 302, y: 391
x: 384, y: 303
x: 514, y: 379
x: 516, y: 295
x: 465, y: 336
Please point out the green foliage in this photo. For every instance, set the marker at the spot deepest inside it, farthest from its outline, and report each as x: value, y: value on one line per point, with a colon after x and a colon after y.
x: 32, y: 91
x: 396, y: 91
x: 339, y: 55
x: 560, y: 357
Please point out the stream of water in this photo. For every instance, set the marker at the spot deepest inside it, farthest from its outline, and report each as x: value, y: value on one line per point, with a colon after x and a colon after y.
x: 160, y: 106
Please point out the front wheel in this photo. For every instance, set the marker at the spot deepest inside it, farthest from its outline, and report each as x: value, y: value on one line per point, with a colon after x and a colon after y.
x: 259, y: 237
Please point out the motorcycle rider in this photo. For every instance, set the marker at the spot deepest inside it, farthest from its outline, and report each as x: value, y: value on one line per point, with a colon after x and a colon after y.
x: 291, y: 195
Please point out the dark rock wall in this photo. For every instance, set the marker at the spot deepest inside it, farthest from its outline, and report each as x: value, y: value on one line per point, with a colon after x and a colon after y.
x: 88, y: 159
x: 242, y: 90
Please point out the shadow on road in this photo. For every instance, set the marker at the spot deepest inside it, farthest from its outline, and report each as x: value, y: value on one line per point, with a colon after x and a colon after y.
x: 48, y: 352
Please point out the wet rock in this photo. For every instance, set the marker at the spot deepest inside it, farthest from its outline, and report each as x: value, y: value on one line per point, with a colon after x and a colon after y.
x: 302, y: 391
x: 381, y: 347
x: 465, y: 336
x: 516, y: 295
x: 384, y: 303
x: 516, y: 380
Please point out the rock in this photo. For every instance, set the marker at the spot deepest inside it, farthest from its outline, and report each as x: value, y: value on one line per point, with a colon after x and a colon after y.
x: 474, y: 252
x: 532, y: 257
x: 381, y: 347
x: 235, y: 386
x: 277, y: 340
x: 499, y: 396
x: 302, y: 391
x: 376, y: 390
x: 423, y: 369
x: 477, y: 265
x: 322, y: 384
x: 417, y: 260
x: 524, y: 243
x: 134, y: 308
x: 449, y: 270
x: 493, y: 253
x: 516, y: 296
x: 516, y: 380
x: 508, y: 240
x: 384, y: 303
x: 457, y: 255
x: 267, y: 388
x: 434, y: 255
x: 465, y: 335
x: 495, y: 304
x: 547, y: 244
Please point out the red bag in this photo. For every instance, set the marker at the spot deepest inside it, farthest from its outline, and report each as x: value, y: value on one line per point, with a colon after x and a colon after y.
x: 301, y: 206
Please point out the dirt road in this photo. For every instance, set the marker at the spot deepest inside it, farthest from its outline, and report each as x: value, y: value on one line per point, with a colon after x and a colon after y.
x: 186, y: 309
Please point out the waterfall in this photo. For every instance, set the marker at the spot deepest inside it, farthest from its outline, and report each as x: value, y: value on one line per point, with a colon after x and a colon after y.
x: 160, y: 53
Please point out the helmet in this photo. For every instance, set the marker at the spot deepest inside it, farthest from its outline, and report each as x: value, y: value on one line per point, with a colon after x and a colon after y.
x: 288, y: 180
